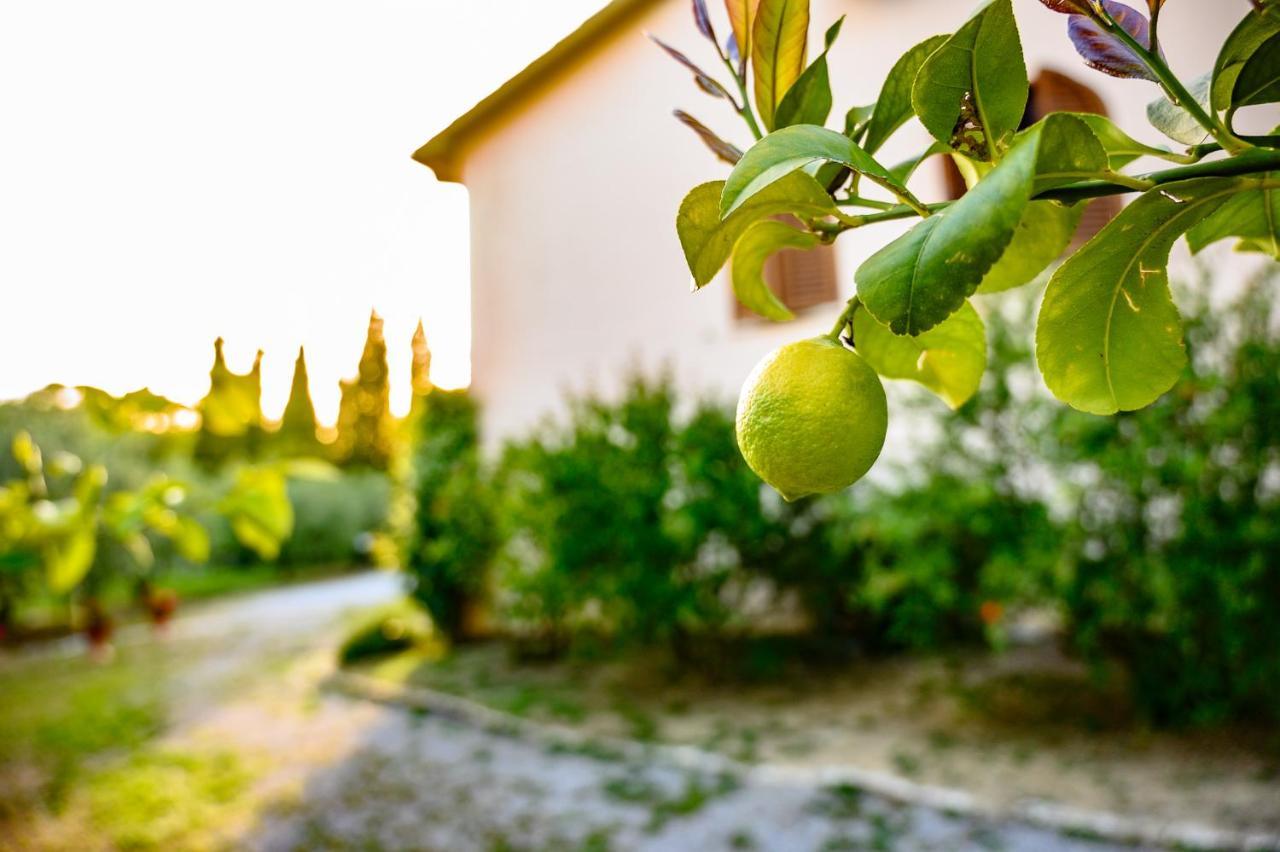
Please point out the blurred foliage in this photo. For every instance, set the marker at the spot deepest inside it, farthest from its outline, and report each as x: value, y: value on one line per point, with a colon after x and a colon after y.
x: 296, y: 436
x: 451, y: 531
x: 1155, y: 533
x: 1172, y: 562
x: 588, y: 550
x: 630, y: 524
x: 230, y: 413
x: 366, y: 433
x: 397, y: 627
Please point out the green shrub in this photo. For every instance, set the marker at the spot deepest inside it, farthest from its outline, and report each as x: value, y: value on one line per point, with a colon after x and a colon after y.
x: 1173, y: 566
x: 589, y: 551
x: 334, y: 518
x: 452, y: 535
x: 391, y: 629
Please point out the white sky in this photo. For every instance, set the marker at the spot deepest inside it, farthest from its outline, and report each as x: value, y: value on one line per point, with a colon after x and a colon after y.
x: 172, y: 171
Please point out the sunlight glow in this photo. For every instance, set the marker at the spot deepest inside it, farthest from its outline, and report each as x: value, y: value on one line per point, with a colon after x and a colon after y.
x: 176, y: 172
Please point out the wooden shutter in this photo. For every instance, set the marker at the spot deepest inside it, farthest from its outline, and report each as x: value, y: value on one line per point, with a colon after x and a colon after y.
x: 1055, y: 92
x: 800, y: 279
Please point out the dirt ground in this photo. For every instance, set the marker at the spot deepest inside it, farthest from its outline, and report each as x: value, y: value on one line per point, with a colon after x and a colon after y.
x: 1026, y: 724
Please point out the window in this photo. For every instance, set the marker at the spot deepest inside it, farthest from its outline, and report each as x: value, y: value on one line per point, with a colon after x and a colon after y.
x: 800, y: 279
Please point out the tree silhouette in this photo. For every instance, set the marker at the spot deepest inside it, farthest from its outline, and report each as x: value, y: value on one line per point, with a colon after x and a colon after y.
x: 365, y: 429
x: 297, y: 433
x: 230, y: 413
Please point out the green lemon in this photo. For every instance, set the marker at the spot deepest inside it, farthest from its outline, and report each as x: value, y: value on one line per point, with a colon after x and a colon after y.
x: 812, y: 418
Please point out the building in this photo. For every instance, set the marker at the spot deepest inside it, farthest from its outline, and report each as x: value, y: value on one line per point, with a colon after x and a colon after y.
x: 576, y: 168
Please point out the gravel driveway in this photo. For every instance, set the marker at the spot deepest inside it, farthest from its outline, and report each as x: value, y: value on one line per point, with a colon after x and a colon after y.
x: 339, y: 773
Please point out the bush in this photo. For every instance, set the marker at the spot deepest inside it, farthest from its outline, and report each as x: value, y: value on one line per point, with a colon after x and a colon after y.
x: 589, y: 549
x: 626, y: 524
x: 1173, y: 567
x: 334, y: 518
x: 451, y: 539
x: 399, y: 627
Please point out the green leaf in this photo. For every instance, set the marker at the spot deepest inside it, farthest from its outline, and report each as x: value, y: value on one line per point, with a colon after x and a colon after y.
x: 893, y: 107
x: 779, y: 42
x: 918, y: 280
x: 1252, y: 215
x: 759, y: 242
x: 191, y: 540
x: 1109, y: 337
x: 1122, y: 149
x: 972, y: 91
x: 1069, y: 152
x: 708, y: 240
x: 258, y: 509
x: 1174, y: 121
x: 68, y: 558
x: 1256, y: 28
x: 1259, y: 80
x: 789, y: 150
x: 1043, y: 234
x: 808, y: 101
x: 948, y: 359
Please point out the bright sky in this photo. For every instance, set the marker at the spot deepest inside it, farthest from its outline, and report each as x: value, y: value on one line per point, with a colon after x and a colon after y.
x: 175, y: 171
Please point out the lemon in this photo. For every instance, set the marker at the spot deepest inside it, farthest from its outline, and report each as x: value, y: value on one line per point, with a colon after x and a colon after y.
x: 812, y: 418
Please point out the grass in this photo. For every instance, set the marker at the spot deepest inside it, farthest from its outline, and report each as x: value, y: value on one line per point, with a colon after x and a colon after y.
x: 166, y: 799
x: 46, y: 612
x: 58, y: 714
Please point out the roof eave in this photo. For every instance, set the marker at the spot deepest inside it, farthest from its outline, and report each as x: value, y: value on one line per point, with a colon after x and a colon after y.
x: 442, y: 152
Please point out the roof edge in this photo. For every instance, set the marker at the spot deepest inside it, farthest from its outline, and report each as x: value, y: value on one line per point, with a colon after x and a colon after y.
x: 443, y: 152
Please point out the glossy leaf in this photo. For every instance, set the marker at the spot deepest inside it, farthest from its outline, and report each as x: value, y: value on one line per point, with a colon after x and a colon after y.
x: 779, y: 45
x: 972, y: 91
x: 754, y: 248
x: 808, y: 101
x: 1043, y: 234
x: 918, y: 280
x: 893, y: 107
x: 1174, y: 121
x: 704, y: 80
x: 1253, y: 216
x: 1103, y: 52
x: 1068, y: 152
x: 949, y: 359
x: 1251, y: 33
x: 726, y: 151
x: 1109, y: 337
x: 708, y: 240
x: 742, y: 17
x: 1122, y: 149
x: 791, y: 149
x: 1259, y: 79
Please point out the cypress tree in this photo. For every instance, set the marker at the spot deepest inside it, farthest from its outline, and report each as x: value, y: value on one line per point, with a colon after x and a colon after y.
x: 297, y: 433
x: 230, y: 413
x: 365, y: 428
x: 420, y: 375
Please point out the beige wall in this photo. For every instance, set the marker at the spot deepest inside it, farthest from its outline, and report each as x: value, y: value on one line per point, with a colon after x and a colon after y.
x: 577, y: 273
